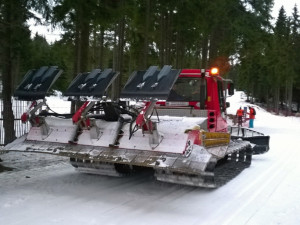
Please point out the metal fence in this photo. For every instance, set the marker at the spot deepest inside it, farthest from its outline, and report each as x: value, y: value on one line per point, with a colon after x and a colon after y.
x: 19, y: 108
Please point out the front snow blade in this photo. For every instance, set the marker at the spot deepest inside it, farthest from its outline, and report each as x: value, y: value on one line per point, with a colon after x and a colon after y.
x: 261, y: 144
x: 259, y: 141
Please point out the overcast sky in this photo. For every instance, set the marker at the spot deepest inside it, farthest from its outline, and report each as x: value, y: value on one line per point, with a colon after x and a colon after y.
x: 287, y: 4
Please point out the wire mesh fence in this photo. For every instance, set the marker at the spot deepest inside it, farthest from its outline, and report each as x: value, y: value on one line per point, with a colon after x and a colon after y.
x: 20, y: 128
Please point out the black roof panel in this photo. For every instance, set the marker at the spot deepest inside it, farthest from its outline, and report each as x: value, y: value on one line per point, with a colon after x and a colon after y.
x: 36, y: 83
x: 94, y: 83
x: 151, y: 83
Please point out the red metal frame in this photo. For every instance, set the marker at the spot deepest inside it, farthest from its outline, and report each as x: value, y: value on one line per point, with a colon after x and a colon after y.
x: 216, y: 122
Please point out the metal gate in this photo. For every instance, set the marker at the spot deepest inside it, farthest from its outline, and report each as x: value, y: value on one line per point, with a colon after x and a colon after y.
x: 19, y: 108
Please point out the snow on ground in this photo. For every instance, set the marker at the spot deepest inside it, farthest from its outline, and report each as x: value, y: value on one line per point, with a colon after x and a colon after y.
x: 58, y: 104
x: 44, y: 189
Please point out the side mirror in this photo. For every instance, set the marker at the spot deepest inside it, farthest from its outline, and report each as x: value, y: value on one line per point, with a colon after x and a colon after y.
x: 230, y: 89
x: 227, y: 104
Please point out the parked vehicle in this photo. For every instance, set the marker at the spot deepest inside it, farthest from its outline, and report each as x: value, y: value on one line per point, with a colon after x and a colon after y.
x: 170, y: 120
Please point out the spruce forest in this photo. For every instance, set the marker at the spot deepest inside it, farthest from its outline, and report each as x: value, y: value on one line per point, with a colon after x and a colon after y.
x: 258, y: 52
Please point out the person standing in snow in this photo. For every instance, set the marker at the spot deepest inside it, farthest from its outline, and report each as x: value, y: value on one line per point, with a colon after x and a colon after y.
x: 251, y: 117
x: 239, y: 114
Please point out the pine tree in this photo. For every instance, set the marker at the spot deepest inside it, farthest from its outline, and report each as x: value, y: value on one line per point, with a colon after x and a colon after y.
x: 14, y: 34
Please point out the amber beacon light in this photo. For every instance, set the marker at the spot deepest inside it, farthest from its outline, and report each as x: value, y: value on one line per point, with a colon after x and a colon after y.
x: 214, y: 71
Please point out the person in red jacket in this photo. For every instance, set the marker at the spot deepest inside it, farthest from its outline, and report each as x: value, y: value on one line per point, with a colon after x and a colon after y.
x: 251, y: 117
x: 239, y: 114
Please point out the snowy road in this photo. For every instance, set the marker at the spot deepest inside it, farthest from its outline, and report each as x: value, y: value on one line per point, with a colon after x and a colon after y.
x: 44, y: 189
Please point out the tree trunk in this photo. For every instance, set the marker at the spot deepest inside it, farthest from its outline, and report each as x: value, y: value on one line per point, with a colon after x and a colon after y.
x: 101, y: 48
x: 77, y: 51
x: 290, y: 96
x: 76, y: 66
x: 8, y: 116
x: 168, y: 39
x: 267, y: 100
x: 84, y: 45
x: 204, y: 52
x: 213, y: 49
x: 82, y: 35
x: 94, y: 61
x: 162, y: 48
x: 118, y: 58
x: 7, y: 76
x: 179, y: 51
x: 146, y: 35
x: 276, y: 99
x: 286, y: 98
x: 252, y: 93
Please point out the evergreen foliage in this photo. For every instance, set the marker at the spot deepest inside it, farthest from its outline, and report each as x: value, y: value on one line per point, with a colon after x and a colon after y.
x: 238, y: 36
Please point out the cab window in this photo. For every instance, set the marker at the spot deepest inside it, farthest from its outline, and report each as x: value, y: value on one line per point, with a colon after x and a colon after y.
x: 185, y: 89
x: 221, y: 96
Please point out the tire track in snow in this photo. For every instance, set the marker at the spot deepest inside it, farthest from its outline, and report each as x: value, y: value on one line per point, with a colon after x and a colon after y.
x: 261, y: 189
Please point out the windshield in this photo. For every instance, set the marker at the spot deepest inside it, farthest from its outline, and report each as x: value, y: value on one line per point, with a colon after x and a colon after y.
x: 185, y: 89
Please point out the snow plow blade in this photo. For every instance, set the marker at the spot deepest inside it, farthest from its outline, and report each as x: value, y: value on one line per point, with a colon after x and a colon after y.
x: 203, y: 167
x: 259, y: 141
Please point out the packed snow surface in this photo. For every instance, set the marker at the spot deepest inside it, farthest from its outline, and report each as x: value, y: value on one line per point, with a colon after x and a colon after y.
x: 45, y: 189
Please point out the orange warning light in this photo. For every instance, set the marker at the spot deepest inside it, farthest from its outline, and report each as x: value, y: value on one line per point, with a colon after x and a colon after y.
x: 214, y: 71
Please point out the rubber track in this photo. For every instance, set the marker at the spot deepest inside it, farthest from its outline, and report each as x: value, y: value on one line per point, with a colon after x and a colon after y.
x: 234, y: 165
x: 216, y: 174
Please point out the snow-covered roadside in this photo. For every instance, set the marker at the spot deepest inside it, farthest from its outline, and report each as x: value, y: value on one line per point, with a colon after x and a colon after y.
x: 45, y: 189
